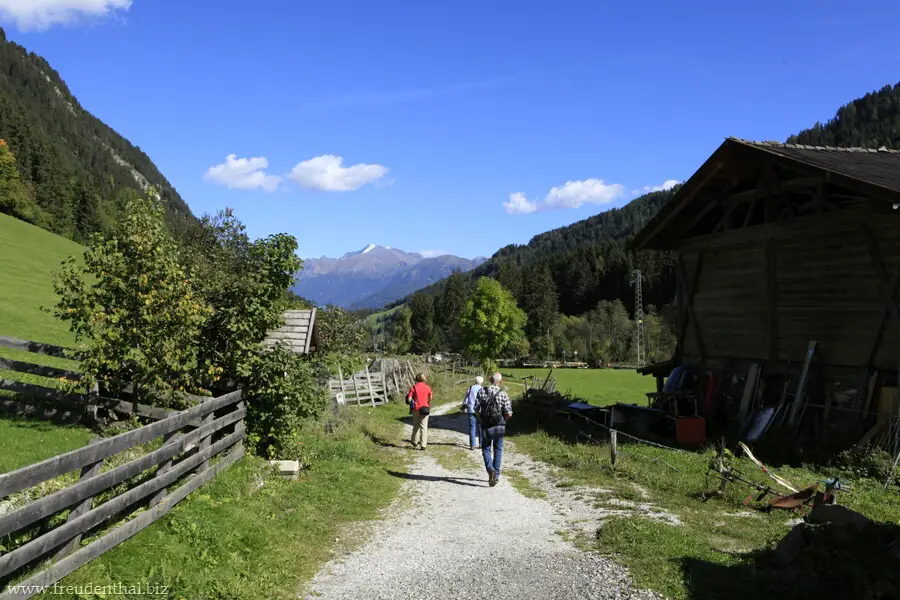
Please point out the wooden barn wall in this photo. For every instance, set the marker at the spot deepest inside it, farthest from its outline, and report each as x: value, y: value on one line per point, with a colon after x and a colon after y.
x: 824, y: 287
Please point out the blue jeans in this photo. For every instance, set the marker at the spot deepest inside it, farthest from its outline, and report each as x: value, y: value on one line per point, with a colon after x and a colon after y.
x: 492, y: 439
x: 474, y: 430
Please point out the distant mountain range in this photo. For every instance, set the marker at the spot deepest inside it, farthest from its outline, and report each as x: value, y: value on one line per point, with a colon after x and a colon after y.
x: 373, y: 276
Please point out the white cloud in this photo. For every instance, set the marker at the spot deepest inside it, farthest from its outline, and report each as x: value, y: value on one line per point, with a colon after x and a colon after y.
x: 243, y: 174
x: 433, y: 253
x: 590, y: 191
x: 327, y: 174
x: 43, y: 14
x: 572, y: 194
x: 668, y: 184
x: 518, y: 204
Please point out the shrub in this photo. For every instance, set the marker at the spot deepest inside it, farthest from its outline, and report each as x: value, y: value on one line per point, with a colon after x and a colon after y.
x: 283, y: 391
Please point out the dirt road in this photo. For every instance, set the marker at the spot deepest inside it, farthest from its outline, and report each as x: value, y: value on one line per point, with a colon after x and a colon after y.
x: 450, y: 536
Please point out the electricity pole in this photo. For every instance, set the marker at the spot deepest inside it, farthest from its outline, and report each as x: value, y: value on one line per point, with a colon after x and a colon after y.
x: 638, y: 316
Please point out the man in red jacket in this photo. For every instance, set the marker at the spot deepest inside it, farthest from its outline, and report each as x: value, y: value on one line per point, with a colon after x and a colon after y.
x: 419, y: 399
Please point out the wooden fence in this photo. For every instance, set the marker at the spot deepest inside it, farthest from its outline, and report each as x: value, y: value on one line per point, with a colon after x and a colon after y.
x: 185, y: 458
x: 393, y: 378
x: 62, y: 405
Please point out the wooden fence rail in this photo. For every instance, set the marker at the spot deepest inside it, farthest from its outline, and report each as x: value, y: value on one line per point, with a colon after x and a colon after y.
x: 183, y: 457
x: 68, y: 405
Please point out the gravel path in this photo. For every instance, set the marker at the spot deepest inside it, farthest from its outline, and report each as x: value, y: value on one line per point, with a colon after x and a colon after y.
x: 450, y: 536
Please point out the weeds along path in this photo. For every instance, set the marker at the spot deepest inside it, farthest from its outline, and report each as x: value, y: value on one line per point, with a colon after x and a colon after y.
x: 450, y: 536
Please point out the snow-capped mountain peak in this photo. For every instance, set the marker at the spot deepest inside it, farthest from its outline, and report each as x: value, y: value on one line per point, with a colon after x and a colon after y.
x: 368, y: 248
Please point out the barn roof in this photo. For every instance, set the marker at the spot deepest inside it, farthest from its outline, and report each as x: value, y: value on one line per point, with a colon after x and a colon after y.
x: 875, y: 172
x: 300, y: 331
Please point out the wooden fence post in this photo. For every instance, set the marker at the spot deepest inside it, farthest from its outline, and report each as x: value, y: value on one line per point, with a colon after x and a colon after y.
x: 158, y: 496
x: 82, y: 507
x: 369, y: 381
x: 204, y: 442
x: 341, y: 379
x: 612, y: 448
x: 384, y: 386
x: 355, y: 388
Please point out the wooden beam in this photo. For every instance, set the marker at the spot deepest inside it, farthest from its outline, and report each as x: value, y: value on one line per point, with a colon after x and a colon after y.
x: 77, y: 525
x: 879, y: 331
x: 725, y: 222
x: 884, y: 285
x: 664, y: 216
x: 688, y: 301
x: 749, y: 214
x: 697, y: 218
x: 60, y: 569
x: 768, y: 184
x: 771, y: 300
x: 86, y: 488
x: 30, y: 475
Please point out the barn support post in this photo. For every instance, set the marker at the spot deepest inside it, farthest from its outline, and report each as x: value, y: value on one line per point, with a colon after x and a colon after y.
x: 771, y: 303
x: 688, y: 296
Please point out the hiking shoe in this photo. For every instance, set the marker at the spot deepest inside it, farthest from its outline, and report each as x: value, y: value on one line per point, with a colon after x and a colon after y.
x: 492, y: 479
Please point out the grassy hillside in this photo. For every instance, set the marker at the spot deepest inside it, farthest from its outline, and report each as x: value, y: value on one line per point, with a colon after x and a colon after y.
x: 30, y: 255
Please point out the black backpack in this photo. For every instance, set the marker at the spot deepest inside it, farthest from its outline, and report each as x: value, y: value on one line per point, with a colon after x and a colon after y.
x: 491, y: 412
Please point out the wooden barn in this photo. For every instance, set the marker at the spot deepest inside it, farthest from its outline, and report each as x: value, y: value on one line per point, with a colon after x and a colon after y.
x: 780, y: 245
x: 300, y: 332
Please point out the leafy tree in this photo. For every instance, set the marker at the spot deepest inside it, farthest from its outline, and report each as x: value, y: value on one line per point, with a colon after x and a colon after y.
x: 340, y: 331
x: 492, y: 324
x: 245, y: 283
x: 133, y: 305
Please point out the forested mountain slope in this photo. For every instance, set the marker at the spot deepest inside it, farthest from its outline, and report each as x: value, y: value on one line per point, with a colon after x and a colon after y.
x: 73, y: 170
x: 871, y: 121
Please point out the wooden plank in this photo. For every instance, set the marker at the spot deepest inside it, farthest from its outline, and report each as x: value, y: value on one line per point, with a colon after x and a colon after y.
x: 192, y: 398
x: 287, y: 335
x: 164, y: 468
x: 883, y: 284
x: 33, y: 369
x: 84, y: 506
x: 37, y: 547
x: 30, y: 475
x: 52, y: 503
x: 206, y: 439
x: 689, y: 299
x: 37, y: 347
x: 356, y: 390
x: 341, y: 381
x: 771, y: 301
x: 121, y: 533
x: 131, y: 408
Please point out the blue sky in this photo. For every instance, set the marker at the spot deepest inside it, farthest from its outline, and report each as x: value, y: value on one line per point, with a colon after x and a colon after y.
x: 448, y: 126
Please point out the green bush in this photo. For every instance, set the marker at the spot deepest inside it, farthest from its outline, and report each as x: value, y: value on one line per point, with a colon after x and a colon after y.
x: 282, y: 392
